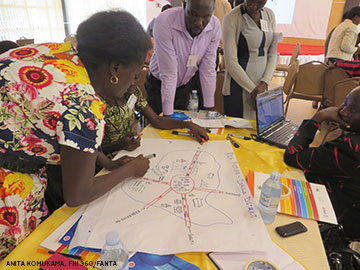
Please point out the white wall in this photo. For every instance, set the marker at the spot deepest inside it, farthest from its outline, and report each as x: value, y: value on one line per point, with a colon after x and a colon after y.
x: 310, y: 20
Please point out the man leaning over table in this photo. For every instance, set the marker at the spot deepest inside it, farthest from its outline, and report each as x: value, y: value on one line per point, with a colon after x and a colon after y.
x: 336, y: 163
x: 186, y: 42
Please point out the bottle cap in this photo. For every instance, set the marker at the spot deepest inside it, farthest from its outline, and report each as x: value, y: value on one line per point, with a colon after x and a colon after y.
x: 260, y: 265
x: 112, y: 238
x: 275, y: 175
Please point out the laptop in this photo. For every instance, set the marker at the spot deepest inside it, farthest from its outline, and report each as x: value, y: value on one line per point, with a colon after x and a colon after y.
x: 271, y: 124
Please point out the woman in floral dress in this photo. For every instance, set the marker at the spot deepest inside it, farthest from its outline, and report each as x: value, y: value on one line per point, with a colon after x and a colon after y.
x: 51, y: 116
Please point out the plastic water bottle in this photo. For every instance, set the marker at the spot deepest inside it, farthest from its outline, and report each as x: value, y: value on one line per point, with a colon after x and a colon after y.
x: 114, y: 255
x: 270, y: 197
x: 193, y: 104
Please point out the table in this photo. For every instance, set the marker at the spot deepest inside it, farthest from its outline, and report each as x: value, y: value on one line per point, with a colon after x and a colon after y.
x: 307, y: 248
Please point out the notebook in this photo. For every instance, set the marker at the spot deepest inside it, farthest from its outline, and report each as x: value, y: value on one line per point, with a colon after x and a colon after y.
x: 271, y: 124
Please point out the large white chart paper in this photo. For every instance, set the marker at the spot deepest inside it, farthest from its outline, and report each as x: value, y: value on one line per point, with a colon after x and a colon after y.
x: 193, y: 198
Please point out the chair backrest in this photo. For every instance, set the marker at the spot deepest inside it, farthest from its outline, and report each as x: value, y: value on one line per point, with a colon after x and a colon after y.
x: 295, y: 53
x: 291, y: 77
x: 310, y: 80
x: 219, y: 100
x: 343, y: 88
x: 331, y: 77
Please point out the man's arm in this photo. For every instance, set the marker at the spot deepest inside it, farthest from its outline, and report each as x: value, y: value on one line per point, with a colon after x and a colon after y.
x: 167, y: 60
x: 169, y: 123
x: 207, y: 67
x: 347, y: 43
x: 326, y: 159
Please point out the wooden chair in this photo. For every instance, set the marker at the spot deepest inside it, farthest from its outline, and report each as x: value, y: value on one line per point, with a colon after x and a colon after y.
x: 331, y: 77
x: 309, y: 83
x: 285, y: 68
x: 219, y: 99
x: 341, y: 90
x: 289, y: 81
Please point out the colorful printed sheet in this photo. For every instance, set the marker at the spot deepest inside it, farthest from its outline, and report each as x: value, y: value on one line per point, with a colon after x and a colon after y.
x: 146, y: 261
x: 308, y: 200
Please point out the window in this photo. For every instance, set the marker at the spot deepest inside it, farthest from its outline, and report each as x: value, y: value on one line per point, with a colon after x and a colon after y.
x: 41, y: 20
x: 79, y: 10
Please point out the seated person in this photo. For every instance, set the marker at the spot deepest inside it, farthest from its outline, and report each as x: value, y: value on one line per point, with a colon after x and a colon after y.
x: 119, y: 121
x: 351, y: 67
x: 336, y: 164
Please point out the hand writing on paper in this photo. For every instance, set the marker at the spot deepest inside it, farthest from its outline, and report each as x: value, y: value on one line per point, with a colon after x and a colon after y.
x: 139, y: 166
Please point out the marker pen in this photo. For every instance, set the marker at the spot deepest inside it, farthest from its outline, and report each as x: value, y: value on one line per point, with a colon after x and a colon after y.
x: 150, y: 156
x: 239, y: 136
x: 187, y: 134
x: 232, y: 141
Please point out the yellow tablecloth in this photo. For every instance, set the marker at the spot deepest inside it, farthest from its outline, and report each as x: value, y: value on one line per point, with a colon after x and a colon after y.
x: 251, y: 155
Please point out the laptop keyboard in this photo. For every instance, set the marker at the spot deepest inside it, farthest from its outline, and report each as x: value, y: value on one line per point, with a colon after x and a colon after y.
x: 284, y: 134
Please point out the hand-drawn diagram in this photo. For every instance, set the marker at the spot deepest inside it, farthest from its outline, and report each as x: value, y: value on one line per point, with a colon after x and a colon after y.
x: 193, y: 198
x: 181, y: 183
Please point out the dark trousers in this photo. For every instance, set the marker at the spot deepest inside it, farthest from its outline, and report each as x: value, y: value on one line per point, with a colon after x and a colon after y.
x: 332, y: 60
x: 233, y: 104
x: 182, y: 95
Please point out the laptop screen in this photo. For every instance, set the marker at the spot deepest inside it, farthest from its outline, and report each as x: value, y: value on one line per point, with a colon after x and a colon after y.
x: 269, y: 109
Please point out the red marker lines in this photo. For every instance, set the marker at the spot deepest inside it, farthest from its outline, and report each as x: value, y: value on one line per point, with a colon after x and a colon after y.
x: 209, y: 190
x: 156, y: 181
x: 157, y: 199
x: 185, y: 204
x: 196, y: 156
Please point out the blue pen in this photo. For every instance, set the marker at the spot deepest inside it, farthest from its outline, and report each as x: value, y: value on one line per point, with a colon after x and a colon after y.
x: 232, y: 141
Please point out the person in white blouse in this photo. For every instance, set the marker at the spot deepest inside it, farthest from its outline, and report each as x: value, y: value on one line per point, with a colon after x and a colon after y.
x: 342, y: 45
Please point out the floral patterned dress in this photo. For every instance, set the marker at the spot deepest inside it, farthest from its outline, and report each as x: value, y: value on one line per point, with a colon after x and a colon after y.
x: 46, y: 100
x: 119, y: 120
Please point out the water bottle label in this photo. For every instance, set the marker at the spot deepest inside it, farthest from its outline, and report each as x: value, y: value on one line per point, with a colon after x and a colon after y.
x: 268, y: 201
x: 193, y: 105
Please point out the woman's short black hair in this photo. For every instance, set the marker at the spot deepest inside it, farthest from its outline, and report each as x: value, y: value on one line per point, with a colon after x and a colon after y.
x: 165, y: 7
x: 355, y: 11
x: 112, y: 36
